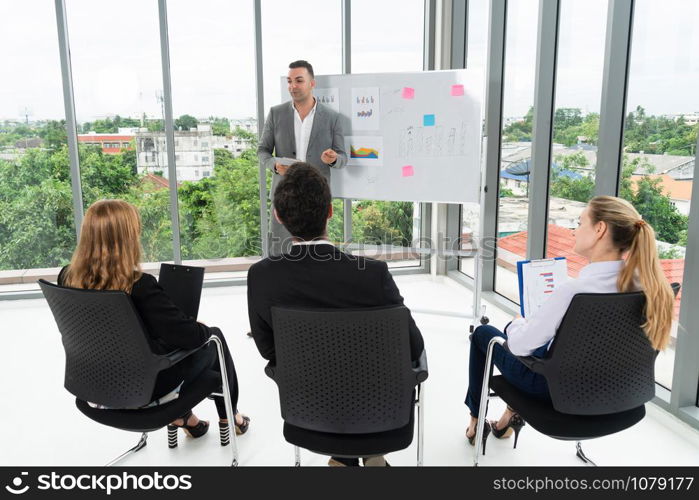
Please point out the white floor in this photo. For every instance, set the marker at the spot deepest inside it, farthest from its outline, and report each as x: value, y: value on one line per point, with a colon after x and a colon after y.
x: 41, y: 426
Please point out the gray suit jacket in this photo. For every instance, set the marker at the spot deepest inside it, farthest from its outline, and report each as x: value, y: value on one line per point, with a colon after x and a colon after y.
x: 278, y: 139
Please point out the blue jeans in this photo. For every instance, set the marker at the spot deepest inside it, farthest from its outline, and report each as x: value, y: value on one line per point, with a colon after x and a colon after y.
x: 514, y: 371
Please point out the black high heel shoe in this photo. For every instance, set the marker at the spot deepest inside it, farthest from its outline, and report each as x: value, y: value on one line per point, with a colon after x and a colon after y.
x: 194, y: 431
x: 486, y: 431
x: 224, y: 433
x: 515, y: 424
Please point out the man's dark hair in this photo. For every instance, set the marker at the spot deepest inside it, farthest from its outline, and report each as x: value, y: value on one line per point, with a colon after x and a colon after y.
x: 302, y: 200
x: 303, y: 64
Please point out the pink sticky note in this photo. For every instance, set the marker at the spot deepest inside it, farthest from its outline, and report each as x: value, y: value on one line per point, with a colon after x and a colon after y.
x: 408, y: 93
x: 408, y: 171
x: 457, y: 90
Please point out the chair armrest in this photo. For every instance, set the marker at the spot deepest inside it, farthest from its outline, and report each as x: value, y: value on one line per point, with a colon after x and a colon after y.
x: 420, y: 370
x: 172, y: 358
x: 270, y: 370
x: 533, y: 363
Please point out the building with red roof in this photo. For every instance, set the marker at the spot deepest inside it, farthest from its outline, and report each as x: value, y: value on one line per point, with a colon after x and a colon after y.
x: 111, y: 144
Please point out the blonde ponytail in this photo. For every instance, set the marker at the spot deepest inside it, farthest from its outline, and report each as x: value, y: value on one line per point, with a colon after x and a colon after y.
x: 633, y: 235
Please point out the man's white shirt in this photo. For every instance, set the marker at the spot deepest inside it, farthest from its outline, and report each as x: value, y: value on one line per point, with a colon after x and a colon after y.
x: 302, y: 130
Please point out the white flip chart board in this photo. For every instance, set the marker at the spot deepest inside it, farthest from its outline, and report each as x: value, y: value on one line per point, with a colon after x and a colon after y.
x: 408, y: 136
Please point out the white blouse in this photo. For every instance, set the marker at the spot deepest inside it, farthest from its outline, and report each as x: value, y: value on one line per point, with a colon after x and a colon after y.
x: 525, y: 335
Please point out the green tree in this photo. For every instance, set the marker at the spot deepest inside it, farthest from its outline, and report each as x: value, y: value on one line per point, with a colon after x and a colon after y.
x: 657, y: 209
x: 156, y: 227
x: 54, y: 134
x: 521, y: 130
x: 104, y: 176
x: 230, y: 225
x: 383, y: 223
x: 647, y: 197
x: 567, y: 117
x: 658, y: 134
x: 506, y: 192
x: 110, y: 125
x: 36, y: 211
x: 156, y: 125
x: 220, y: 126
x: 563, y: 185
x: 186, y: 122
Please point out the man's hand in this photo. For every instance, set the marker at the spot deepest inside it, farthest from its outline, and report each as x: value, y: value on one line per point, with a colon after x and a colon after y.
x: 281, y: 169
x: 328, y: 157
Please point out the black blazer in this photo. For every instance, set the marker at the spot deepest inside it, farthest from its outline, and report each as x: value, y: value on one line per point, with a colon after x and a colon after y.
x: 168, y: 327
x: 318, y: 276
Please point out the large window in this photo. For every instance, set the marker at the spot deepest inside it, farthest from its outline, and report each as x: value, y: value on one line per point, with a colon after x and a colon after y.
x: 575, y: 123
x: 118, y: 99
x: 516, y: 149
x: 213, y: 84
x: 387, y: 36
x: 310, y: 30
x: 661, y: 133
x: 36, y: 205
x: 477, y: 46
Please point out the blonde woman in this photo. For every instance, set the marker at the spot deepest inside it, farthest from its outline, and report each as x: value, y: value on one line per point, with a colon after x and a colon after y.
x: 610, y: 229
x: 108, y: 258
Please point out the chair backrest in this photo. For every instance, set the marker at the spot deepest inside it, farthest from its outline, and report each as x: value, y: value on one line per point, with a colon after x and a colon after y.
x: 344, y: 371
x: 108, y: 358
x: 601, y: 361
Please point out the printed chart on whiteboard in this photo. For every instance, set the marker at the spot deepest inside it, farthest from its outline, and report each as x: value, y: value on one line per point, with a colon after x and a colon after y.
x: 365, y: 109
x: 328, y: 97
x: 364, y: 150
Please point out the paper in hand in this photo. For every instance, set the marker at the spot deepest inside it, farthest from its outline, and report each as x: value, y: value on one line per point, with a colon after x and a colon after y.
x: 286, y: 161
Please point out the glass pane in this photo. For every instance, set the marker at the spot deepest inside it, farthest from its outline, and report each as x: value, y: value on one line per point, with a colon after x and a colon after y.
x: 283, y: 42
x: 660, y: 134
x: 393, y: 225
x: 387, y: 36
x: 516, y: 149
x: 119, y: 104
x: 36, y: 223
x: 385, y: 42
x: 290, y: 33
x: 212, y: 62
x: 475, y: 61
x: 575, y: 123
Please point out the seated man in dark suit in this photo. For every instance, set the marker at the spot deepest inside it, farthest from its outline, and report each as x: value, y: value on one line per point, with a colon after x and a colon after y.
x: 315, y: 273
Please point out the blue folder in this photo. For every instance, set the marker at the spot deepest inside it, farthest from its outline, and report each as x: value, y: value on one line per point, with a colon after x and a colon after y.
x: 520, y: 279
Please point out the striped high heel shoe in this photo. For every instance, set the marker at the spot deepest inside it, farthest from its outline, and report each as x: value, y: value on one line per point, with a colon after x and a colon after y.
x: 194, y: 431
x: 224, y: 433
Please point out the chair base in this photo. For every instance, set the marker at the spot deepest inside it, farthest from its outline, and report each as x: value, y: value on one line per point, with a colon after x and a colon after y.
x: 581, y: 455
x: 140, y: 445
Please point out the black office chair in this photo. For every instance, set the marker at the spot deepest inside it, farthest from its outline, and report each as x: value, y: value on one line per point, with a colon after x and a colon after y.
x: 600, y: 371
x: 347, y: 387
x: 110, y: 362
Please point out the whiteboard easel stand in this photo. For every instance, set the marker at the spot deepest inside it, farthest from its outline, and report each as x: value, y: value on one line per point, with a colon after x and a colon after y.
x: 477, y: 305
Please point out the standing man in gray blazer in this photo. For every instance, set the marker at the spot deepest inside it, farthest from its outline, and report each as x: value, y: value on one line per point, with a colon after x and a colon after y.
x: 303, y: 129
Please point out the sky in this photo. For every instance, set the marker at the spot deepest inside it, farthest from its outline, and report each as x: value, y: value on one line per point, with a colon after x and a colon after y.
x: 115, y: 50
